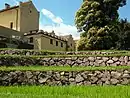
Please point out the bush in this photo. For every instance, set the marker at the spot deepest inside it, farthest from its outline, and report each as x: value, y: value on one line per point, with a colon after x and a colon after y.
x: 81, y: 44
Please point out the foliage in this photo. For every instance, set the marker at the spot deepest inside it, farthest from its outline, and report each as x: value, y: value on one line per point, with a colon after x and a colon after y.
x: 34, y: 57
x: 124, y: 35
x: 81, y: 44
x: 97, y: 20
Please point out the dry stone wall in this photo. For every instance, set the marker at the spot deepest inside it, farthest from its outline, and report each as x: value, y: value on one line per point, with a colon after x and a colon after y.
x: 103, y: 77
x: 65, y: 61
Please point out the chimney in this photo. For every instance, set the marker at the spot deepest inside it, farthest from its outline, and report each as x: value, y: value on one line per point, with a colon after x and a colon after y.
x: 7, y: 6
x: 53, y: 33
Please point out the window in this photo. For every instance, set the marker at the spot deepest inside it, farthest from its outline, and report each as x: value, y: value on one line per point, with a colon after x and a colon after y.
x: 51, y: 41
x: 71, y: 44
x: 61, y: 44
x: 11, y: 25
x: 31, y: 40
x: 56, y: 43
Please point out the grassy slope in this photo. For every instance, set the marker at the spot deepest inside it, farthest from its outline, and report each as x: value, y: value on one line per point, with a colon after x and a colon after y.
x: 64, y: 56
x: 61, y: 68
x: 65, y: 92
x: 59, y: 51
x: 53, y: 53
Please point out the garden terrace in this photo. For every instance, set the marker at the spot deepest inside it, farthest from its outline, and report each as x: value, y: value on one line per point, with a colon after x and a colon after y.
x: 66, y: 60
x: 65, y: 69
x: 64, y: 76
x: 43, y: 52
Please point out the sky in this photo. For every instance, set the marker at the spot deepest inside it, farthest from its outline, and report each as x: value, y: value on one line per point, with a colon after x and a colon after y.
x: 58, y: 15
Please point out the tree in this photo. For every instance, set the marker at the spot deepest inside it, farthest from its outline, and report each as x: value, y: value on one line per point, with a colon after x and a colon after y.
x: 124, y: 35
x: 97, y: 20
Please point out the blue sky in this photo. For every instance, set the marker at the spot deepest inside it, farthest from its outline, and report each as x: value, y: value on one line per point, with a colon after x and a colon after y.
x: 58, y: 15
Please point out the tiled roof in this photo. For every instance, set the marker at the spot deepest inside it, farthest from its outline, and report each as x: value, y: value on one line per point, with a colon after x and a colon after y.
x: 66, y: 37
x: 45, y: 33
x: 14, y: 7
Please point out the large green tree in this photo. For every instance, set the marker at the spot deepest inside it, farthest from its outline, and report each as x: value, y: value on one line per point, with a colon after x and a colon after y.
x: 124, y: 35
x: 97, y: 20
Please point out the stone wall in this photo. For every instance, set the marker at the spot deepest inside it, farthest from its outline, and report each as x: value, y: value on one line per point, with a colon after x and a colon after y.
x: 34, y: 52
x: 64, y: 61
x: 104, y: 77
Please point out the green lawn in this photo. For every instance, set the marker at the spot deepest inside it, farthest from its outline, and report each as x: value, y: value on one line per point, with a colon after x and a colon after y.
x: 62, y: 68
x: 65, y: 92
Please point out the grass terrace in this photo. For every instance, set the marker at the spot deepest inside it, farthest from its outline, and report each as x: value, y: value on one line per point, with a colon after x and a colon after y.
x: 65, y: 92
x: 61, y: 68
x: 63, y: 56
x: 46, y: 52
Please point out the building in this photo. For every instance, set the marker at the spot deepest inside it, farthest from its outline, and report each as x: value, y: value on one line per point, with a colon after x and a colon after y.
x: 70, y: 42
x: 49, y: 41
x: 7, y: 32
x: 23, y: 21
x: 15, y: 21
x: 10, y: 38
x: 23, y: 18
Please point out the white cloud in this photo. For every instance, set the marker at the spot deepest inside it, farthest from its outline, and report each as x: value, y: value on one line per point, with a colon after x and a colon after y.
x: 16, y: 2
x: 60, y: 28
x: 50, y: 15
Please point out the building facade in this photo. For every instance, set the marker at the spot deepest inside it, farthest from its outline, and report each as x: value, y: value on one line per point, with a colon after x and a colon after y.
x: 10, y: 38
x: 23, y: 18
x: 49, y: 41
x: 70, y: 42
x: 7, y: 32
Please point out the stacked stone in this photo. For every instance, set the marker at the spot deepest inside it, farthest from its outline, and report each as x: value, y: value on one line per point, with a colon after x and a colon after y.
x: 65, y: 61
x: 120, y: 77
x: 52, y: 77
